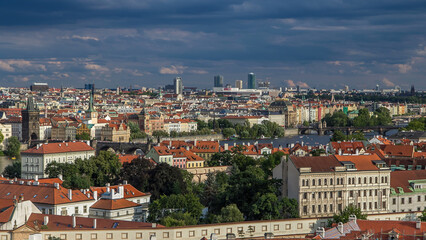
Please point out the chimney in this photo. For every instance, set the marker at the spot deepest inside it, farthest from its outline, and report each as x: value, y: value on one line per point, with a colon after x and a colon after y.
x: 107, y: 187
x: 125, y: 182
x: 418, y: 224
x: 320, y: 231
x: 352, y: 218
x: 70, y: 194
x: 154, y: 225
x: 340, y: 227
x: 121, y: 190
x: 56, y: 185
x: 60, y: 176
x: 357, y: 151
x: 74, y: 221
x: 248, y: 144
x: 46, y: 220
x: 95, y: 195
x: 225, y: 146
x: 235, y: 144
x: 94, y: 223
x: 195, y: 142
x: 340, y: 151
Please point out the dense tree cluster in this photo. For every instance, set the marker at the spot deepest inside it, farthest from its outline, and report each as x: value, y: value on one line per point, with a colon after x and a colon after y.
x: 248, y: 193
x: 135, y: 131
x: 418, y: 124
x: 343, y: 216
x: 340, y: 136
x: 13, y: 148
x: 83, y: 136
x: 14, y: 170
x: 266, y: 129
x: 380, y: 117
x: 83, y: 173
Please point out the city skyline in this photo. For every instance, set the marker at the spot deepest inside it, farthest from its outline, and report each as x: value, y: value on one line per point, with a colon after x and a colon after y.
x: 148, y: 43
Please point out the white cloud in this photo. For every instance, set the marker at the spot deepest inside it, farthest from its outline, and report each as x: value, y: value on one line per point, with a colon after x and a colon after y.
x: 172, y: 69
x: 6, y: 67
x: 13, y: 65
x: 91, y: 66
x: 404, y: 68
x: 319, y: 28
x: 388, y: 83
x: 174, y: 35
x: 85, y: 38
x: 301, y: 84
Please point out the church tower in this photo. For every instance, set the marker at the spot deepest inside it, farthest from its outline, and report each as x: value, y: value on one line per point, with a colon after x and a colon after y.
x: 30, y: 121
x: 92, y: 114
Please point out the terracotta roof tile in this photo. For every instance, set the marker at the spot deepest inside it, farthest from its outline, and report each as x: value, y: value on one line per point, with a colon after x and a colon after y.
x: 113, y: 204
x: 59, y: 148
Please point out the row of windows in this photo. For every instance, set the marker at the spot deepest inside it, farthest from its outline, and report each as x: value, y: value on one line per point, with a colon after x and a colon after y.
x: 321, y: 208
x: 409, y: 200
x: 361, y: 193
x: 95, y: 236
x: 410, y: 210
x: 340, y: 181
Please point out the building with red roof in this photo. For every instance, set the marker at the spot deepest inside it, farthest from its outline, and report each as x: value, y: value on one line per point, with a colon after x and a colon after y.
x: 325, y: 185
x: 408, y: 191
x: 35, y: 160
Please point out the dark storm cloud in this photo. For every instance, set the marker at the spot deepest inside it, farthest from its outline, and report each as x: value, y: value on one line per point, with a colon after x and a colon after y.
x: 329, y: 43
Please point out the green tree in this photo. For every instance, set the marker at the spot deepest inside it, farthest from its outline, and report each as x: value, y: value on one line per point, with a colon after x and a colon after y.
x: 344, y: 215
x: 83, y: 136
x: 423, y: 216
x: 175, y: 203
x: 363, y: 118
x: 230, y: 213
x: 176, y: 219
x: 14, y: 170
x: 417, y: 124
x: 137, y: 173
x: 227, y: 132
x: 383, y: 117
x: 166, y: 180
x: 13, y: 147
x: 266, y: 207
x: 338, y: 136
x: 135, y: 131
x: 1, y: 137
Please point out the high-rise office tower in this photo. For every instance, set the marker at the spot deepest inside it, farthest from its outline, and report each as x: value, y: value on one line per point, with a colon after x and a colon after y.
x: 251, y: 81
x: 178, y: 85
x: 218, y: 81
x: 239, y: 84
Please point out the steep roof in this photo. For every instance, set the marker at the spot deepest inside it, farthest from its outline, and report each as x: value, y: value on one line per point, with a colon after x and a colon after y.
x: 398, y: 150
x: 49, y: 148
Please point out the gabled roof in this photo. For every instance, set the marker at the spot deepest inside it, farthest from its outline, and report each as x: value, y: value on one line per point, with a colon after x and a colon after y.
x: 49, y: 148
x: 398, y: 150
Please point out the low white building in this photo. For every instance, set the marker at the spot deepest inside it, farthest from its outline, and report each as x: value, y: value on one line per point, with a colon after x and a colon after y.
x: 35, y: 160
x: 6, y: 130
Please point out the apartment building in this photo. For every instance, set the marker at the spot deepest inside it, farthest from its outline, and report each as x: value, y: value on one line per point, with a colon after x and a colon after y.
x: 180, y: 125
x: 325, y: 185
x: 35, y: 160
x: 408, y: 191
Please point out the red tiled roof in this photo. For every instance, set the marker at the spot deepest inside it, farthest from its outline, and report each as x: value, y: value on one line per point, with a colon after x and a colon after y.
x: 43, y: 193
x: 362, y: 162
x: 317, y: 164
x: 129, y: 191
x: 57, y: 222
x: 401, y: 178
x: 398, y: 150
x: 113, y: 204
x: 59, y: 148
x: 6, y: 210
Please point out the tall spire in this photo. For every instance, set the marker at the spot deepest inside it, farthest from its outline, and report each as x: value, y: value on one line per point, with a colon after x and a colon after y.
x: 30, y: 104
x: 91, y: 109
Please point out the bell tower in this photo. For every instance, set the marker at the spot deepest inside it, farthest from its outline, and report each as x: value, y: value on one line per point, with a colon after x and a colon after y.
x: 30, y: 121
x: 92, y: 114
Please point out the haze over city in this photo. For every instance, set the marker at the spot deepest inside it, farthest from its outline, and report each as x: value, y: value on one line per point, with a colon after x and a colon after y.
x: 326, y: 44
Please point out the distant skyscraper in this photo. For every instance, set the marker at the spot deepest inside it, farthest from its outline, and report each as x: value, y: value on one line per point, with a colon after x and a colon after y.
x: 239, y: 84
x: 251, y: 81
x: 178, y: 85
x: 218, y: 81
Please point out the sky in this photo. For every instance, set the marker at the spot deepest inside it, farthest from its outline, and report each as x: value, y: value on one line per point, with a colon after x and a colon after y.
x: 310, y: 43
